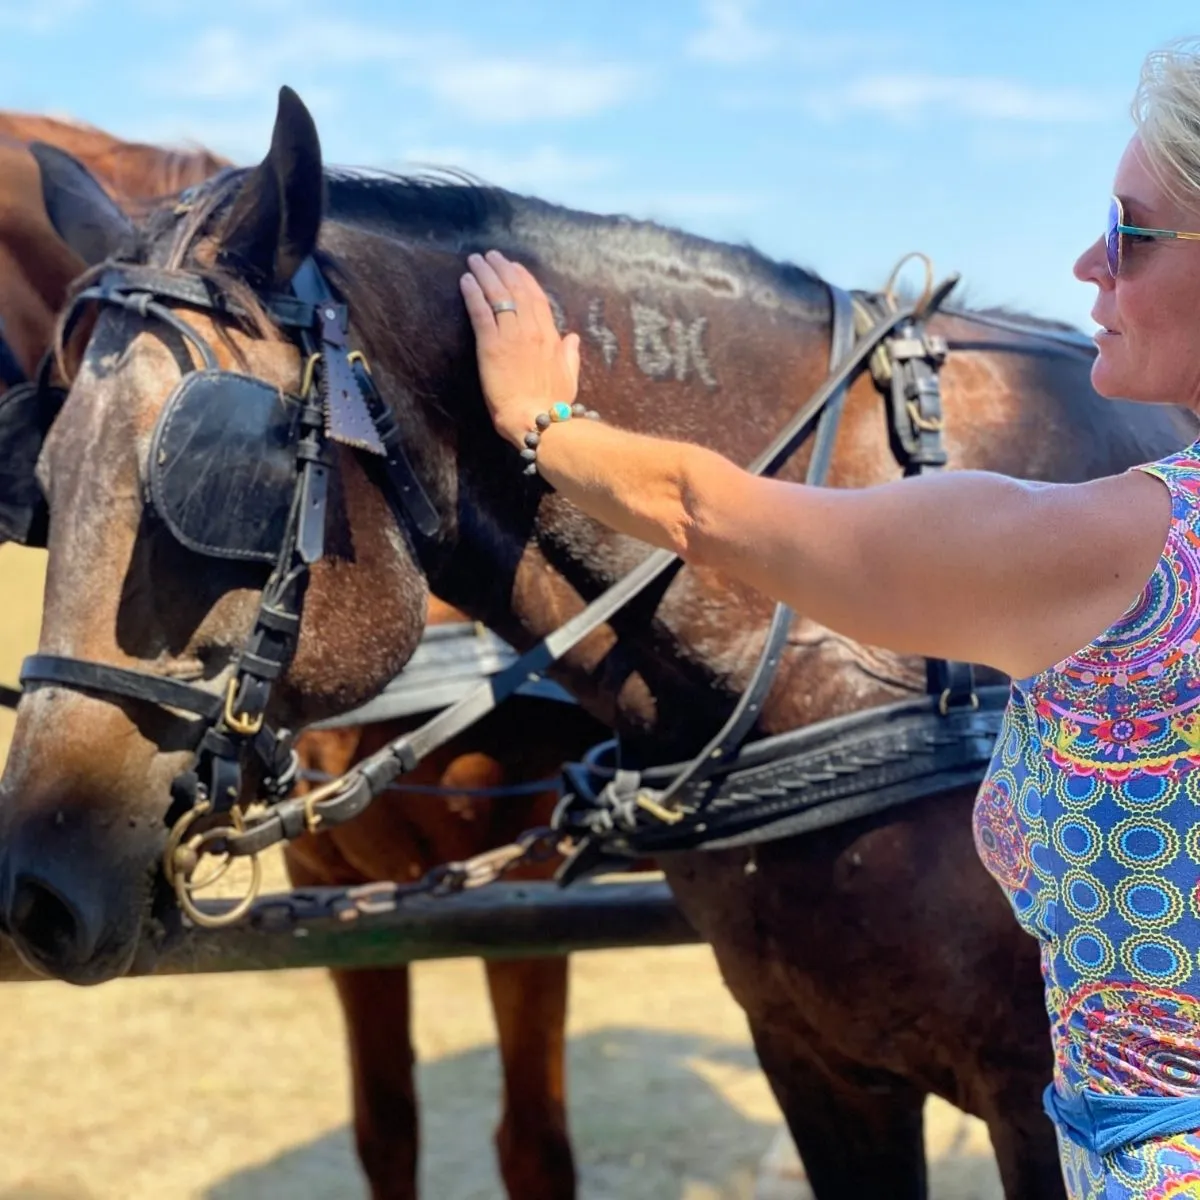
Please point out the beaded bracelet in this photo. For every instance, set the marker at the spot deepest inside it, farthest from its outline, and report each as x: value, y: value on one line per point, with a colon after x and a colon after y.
x: 557, y: 413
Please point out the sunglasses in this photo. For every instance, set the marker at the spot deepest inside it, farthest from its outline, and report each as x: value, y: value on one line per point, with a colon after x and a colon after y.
x: 1117, y: 231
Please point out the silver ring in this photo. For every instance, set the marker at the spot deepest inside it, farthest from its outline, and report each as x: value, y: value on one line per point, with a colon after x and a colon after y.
x: 500, y: 306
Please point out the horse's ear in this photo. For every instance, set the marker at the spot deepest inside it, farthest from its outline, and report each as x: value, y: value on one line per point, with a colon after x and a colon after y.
x: 273, y: 224
x: 80, y: 210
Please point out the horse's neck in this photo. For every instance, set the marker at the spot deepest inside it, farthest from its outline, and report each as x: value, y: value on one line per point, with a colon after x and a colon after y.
x: 138, y: 175
x: 134, y: 173
x: 676, y: 660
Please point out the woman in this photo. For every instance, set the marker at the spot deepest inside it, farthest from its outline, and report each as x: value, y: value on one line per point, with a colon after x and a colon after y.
x: 1088, y: 595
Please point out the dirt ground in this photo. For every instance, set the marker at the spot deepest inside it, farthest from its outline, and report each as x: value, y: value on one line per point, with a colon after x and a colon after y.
x: 235, y: 1087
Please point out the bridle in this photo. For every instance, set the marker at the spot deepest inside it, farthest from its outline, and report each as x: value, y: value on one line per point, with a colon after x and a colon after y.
x: 339, y: 402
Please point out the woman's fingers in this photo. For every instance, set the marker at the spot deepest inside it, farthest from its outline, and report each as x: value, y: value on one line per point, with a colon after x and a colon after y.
x: 528, y: 295
x: 534, y: 297
x: 495, y: 290
x: 483, y: 320
x: 524, y: 364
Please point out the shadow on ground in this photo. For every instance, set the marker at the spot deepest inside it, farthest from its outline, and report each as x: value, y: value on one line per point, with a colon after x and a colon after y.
x: 680, y: 1138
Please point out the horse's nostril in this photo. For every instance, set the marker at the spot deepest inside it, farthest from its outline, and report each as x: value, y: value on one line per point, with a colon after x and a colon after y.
x: 45, y: 924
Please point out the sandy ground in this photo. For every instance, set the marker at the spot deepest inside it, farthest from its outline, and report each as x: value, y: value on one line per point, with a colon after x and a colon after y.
x: 235, y: 1087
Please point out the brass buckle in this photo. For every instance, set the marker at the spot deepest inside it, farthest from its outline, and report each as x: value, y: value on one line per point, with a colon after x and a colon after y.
x: 648, y: 804
x: 239, y: 722
x: 306, y: 380
x: 923, y: 423
x: 944, y: 703
x: 313, y: 820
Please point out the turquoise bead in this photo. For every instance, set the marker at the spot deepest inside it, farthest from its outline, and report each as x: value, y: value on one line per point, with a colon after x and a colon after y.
x: 560, y: 412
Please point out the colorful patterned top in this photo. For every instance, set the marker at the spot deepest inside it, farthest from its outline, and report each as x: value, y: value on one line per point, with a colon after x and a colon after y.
x: 1090, y: 820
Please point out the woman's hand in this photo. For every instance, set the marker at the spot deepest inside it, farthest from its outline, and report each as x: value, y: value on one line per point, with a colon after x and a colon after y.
x: 524, y: 364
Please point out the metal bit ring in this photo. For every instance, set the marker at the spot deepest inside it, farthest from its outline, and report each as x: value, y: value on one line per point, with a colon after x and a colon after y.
x: 181, y: 858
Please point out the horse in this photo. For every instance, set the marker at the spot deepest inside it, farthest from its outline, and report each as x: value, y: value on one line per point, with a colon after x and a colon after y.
x: 488, y: 779
x: 395, y: 841
x: 36, y: 265
x: 876, y: 962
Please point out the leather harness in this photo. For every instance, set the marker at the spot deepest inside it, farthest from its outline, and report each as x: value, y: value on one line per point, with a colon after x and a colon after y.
x: 730, y: 793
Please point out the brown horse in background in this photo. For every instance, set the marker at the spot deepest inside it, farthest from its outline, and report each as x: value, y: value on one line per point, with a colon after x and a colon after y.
x: 402, y: 836
x: 36, y: 265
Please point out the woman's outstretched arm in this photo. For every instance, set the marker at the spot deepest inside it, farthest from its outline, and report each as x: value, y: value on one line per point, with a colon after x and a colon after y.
x: 965, y: 565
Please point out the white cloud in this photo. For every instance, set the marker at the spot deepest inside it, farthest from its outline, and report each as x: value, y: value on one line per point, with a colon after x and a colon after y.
x: 224, y: 64
x: 217, y: 66
x: 243, y: 139
x: 907, y: 97
x: 503, y: 91
x: 729, y: 37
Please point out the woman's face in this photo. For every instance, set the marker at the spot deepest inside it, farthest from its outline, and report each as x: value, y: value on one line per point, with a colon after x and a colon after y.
x: 1149, y: 340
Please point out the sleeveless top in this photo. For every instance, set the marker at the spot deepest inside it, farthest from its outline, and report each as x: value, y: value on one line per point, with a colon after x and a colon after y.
x: 1089, y: 818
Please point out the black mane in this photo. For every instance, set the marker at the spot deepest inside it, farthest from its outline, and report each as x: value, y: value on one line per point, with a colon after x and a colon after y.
x: 457, y: 213
x: 437, y: 204
x: 454, y: 210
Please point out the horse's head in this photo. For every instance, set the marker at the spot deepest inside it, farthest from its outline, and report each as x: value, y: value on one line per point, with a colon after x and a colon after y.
x: 160, y: 511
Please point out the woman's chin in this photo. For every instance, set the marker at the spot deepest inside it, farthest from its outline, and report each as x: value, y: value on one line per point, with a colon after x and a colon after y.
x: 1106, y: 379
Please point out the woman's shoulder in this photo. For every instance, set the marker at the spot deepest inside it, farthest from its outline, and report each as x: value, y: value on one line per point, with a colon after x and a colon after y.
x: 1118, y: 538
x: 1180, y: 472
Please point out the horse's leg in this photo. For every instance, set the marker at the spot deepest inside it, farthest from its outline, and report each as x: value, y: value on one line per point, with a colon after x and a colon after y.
x: 529, y: 998
x: 858, y: 1132
x: 376, y: 1008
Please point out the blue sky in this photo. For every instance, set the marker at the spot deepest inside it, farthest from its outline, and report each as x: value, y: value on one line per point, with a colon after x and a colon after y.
x: 836, y: 135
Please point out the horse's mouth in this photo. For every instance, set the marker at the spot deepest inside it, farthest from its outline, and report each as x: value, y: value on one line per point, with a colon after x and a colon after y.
x: 161, y: 927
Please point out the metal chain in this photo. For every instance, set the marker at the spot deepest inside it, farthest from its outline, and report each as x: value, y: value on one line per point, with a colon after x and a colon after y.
x: 290, y: 910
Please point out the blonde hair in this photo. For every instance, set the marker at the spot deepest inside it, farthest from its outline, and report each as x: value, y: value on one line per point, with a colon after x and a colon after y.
x: 1166, y: 112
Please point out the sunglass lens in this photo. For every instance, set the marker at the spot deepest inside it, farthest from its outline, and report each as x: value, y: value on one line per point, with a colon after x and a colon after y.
x: 1112, y: 238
